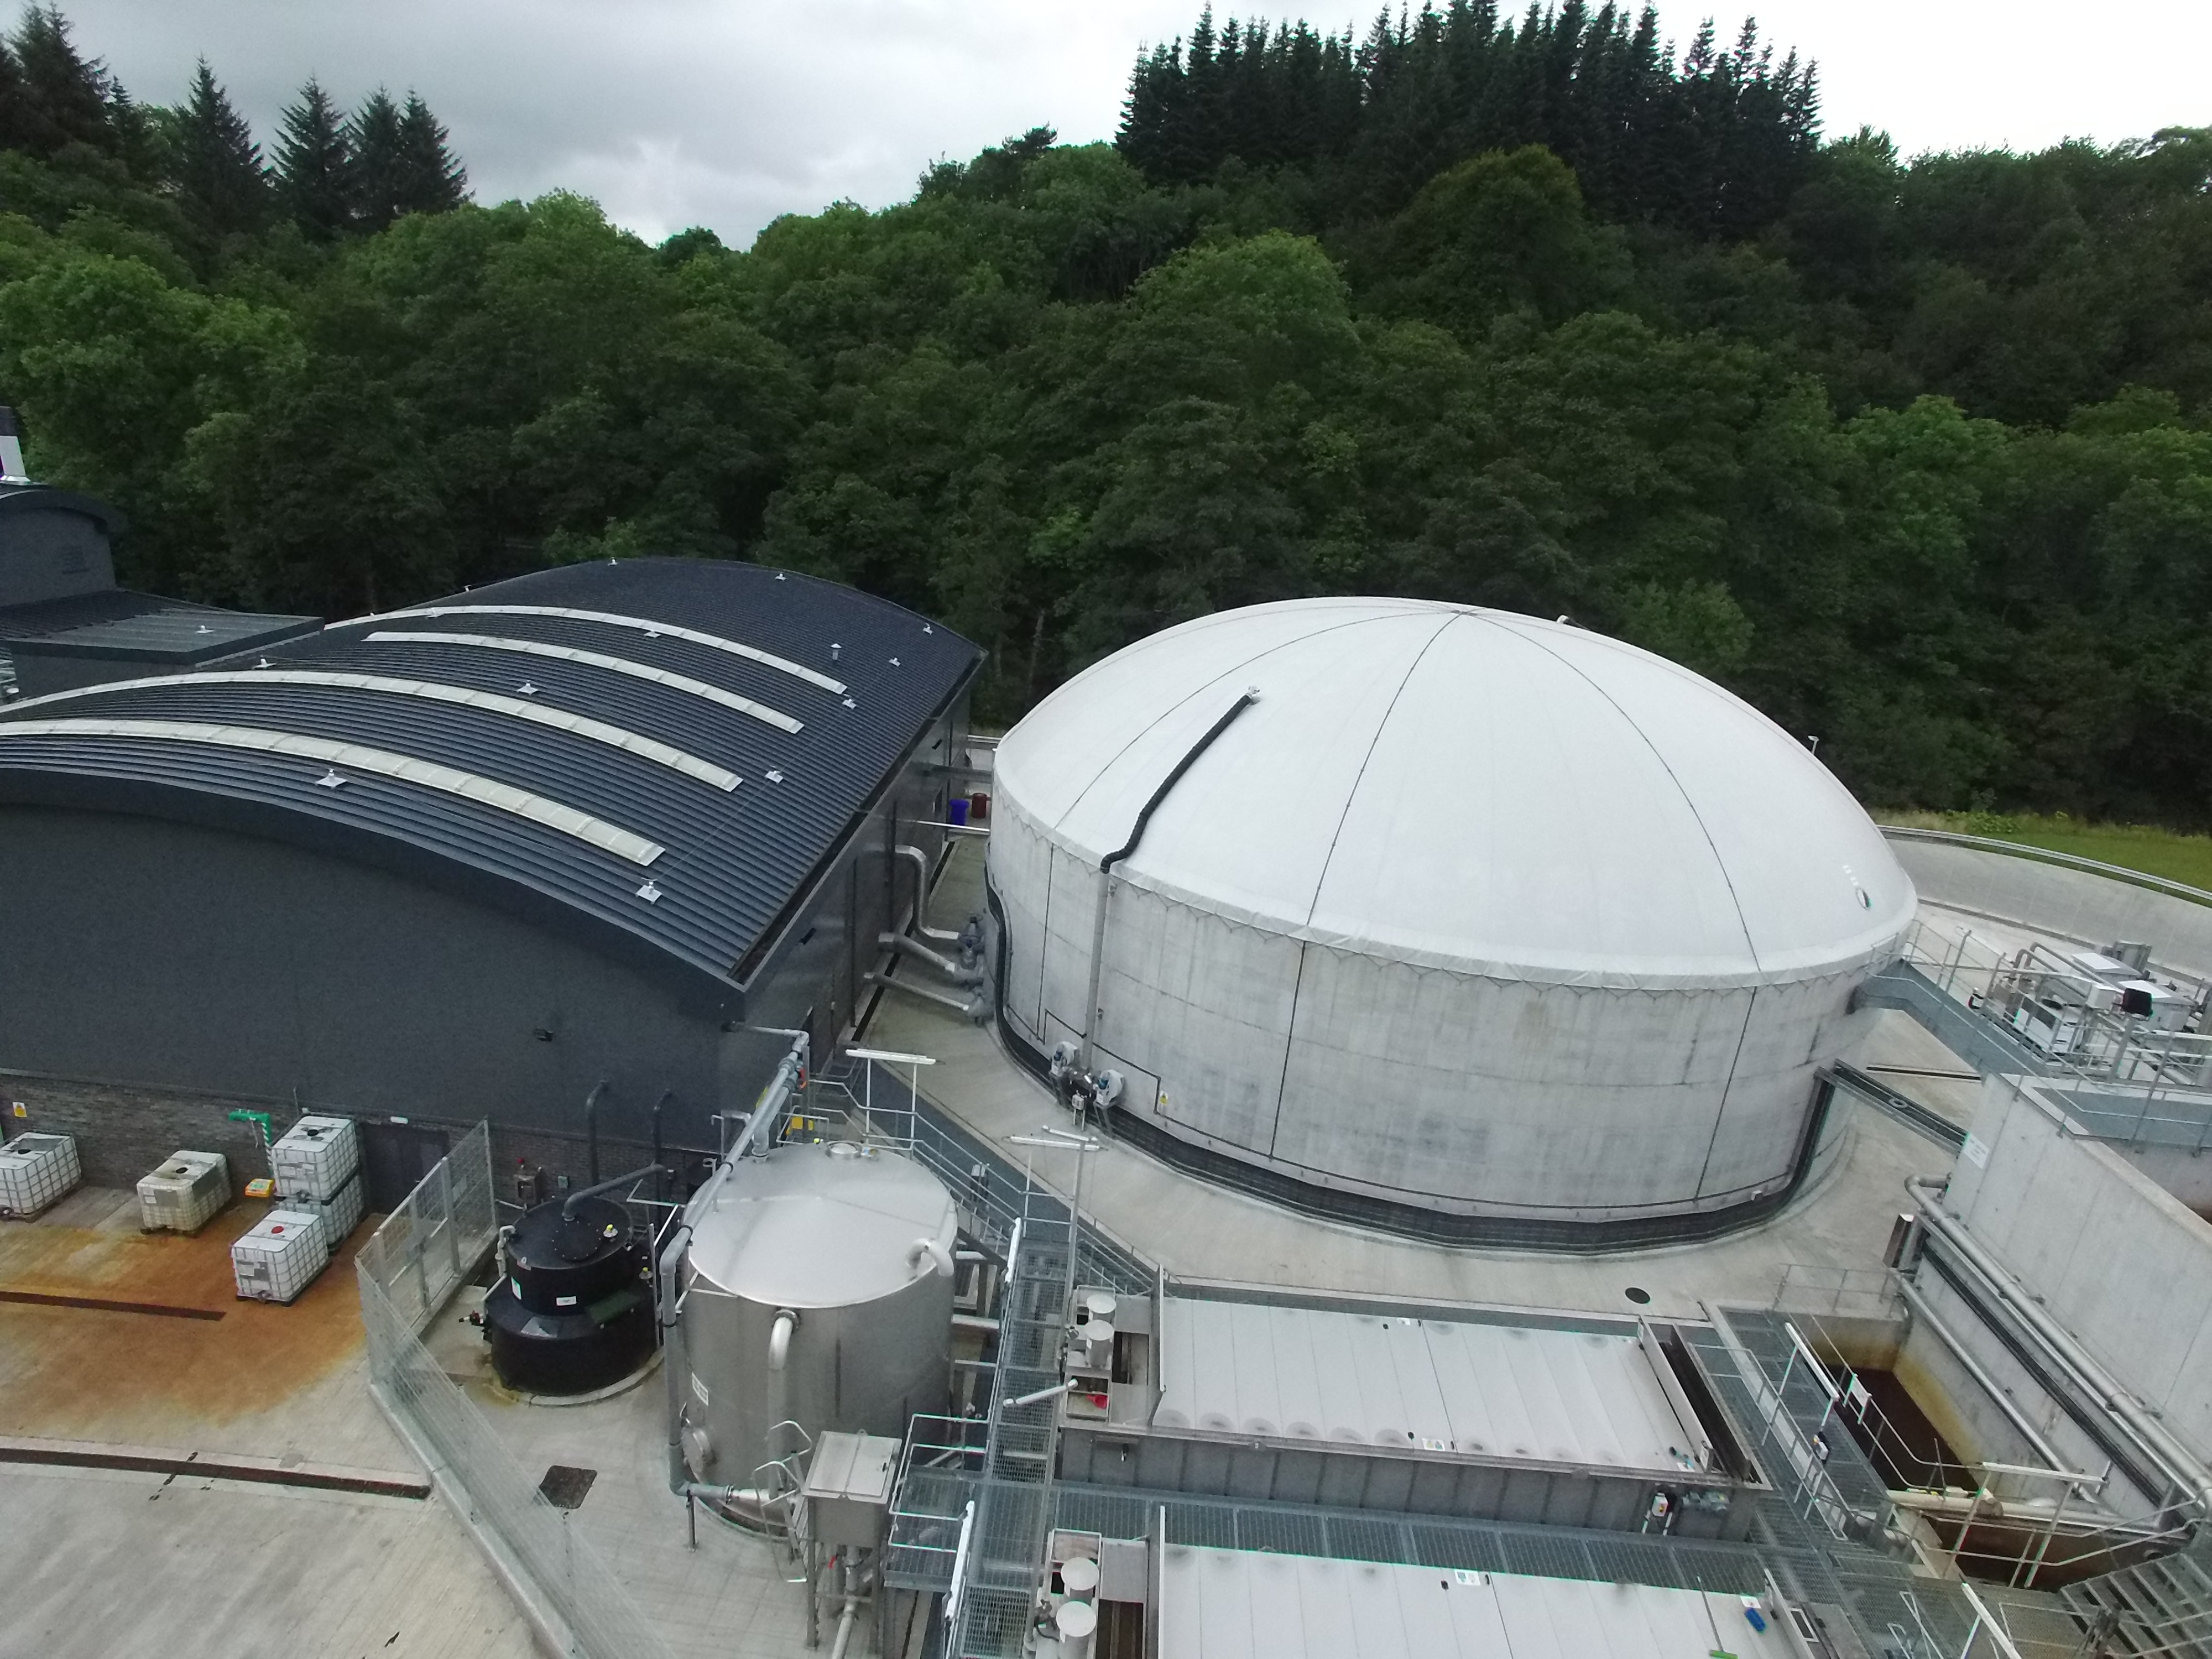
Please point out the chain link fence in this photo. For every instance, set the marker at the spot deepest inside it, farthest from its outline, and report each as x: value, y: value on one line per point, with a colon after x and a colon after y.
x: 421, y: 1254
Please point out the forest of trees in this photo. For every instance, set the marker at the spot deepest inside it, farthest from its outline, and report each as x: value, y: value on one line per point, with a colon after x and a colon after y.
x: 1535, y: 310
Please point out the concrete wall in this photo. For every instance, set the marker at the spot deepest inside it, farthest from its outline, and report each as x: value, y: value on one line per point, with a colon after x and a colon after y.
x: 2050, y: 898
x: 1451, y: 1091
x: 2115, y: 1259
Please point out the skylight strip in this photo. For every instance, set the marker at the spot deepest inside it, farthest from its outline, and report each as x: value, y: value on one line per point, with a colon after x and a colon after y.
x: 642, y: 624
x: 561, y: 719
x: 360, y: 757
x: 759, y: 711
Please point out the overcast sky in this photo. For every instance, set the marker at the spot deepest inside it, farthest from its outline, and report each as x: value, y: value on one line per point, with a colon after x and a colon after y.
x: 727, y: 112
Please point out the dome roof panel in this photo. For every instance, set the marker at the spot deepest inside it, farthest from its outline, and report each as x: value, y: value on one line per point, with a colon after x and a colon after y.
x: 1471, y: 788
x: 1507, y: 816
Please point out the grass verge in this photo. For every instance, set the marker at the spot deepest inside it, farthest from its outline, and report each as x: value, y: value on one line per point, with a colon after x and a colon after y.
x: 2152, y: 851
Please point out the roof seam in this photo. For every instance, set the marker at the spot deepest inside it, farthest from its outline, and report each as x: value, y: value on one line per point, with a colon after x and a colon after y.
x: 1719, y: 863
x: 1235, y: 668
x: 1352, y: 794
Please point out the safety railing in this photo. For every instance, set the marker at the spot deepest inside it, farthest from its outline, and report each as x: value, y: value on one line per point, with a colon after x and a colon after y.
x: 425, y: 1250
x: 2129, y: 1078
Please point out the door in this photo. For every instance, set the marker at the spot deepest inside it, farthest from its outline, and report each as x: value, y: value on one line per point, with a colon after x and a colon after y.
x: 394, y: 1157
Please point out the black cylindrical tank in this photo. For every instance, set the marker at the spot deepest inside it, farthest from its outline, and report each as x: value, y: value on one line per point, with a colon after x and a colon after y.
x: 574, y: 1311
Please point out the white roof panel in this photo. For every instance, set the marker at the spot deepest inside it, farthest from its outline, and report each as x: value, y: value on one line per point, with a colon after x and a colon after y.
x: 1247, y: 1604
x: 1456, y: 1386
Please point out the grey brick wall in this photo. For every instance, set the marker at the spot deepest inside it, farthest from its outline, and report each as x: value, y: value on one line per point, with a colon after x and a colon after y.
x: 122, y: 1131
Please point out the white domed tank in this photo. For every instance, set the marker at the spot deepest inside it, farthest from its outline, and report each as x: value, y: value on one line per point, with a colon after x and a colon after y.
x: 817, y: 1288
x: 1467, y: 923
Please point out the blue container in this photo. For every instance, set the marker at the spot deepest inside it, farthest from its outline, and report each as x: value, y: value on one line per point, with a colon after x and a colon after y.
x: 956, y: 810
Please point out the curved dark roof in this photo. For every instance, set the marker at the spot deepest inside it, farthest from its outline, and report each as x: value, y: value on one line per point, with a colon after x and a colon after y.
x: 47, y: 498
x: 731, y: 862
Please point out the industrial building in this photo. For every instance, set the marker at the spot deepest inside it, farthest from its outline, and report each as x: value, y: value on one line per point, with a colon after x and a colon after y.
x: 575, y: 837
x: 1457, y: 922
x: 1457, y: 1137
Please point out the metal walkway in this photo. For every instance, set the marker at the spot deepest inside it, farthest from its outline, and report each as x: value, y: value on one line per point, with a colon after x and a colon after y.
x: 1982, y: 1043
x: 2161, y: 1608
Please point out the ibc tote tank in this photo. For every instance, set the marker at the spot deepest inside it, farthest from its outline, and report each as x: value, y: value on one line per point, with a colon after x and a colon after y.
x: 816, y: 1289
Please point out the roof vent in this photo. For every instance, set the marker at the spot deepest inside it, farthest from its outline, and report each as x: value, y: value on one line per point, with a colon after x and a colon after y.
x: 650, y: 893
x: 330, y: 780
x: 835, y: 651
x: 895, y: 662
x: 848, y: 702
x: 528, y: 688
x: 775, y: 777
x: 11, y: 448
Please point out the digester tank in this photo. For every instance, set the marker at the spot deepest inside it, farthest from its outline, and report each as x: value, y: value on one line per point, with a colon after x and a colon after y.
x: 817, y: 1290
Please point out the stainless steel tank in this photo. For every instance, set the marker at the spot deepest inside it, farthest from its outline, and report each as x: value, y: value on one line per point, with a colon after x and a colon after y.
x: 816, y: 1289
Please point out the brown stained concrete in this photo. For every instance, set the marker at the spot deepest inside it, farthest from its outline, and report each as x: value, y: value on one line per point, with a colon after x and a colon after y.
x: 279, y: 1381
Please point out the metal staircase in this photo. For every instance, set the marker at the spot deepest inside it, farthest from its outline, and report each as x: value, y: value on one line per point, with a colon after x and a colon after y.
x: 2159, y: 1609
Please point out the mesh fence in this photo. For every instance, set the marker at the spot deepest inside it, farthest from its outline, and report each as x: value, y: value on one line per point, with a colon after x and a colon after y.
x: 414, y: 1262
x: 437, y: 1235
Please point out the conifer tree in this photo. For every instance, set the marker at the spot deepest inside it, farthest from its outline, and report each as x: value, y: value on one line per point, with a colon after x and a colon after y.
x: 214, y: 165
x: 16, y: 123
x: 431, y: 178
x: 378, y: 142
x: 63, y: 96
x: 314, y: 165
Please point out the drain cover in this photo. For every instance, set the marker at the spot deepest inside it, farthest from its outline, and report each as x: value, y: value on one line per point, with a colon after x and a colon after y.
x: 564, y: 1487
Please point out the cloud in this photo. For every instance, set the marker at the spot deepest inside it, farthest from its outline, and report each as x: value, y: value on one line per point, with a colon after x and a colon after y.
x: 728, y: 112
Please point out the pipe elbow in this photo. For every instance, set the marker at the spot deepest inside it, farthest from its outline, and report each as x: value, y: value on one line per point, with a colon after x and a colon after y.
x: 929, y: 1250
x: 779, y: 1339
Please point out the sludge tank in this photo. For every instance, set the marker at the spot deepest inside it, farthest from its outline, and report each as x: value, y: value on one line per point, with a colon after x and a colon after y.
x: 816, y: 1290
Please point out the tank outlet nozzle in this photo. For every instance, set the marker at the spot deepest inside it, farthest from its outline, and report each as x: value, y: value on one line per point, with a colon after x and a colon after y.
x: 928, y: 1249
x: 779, y: 1340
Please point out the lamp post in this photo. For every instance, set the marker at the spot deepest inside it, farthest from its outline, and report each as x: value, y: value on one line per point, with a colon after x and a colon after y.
x: 1065, y: 1141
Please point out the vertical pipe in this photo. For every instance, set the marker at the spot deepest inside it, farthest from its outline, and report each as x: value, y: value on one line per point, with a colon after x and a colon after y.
x: 1136, y: 833
x: 591, y: 1126
x: 660, y: 1182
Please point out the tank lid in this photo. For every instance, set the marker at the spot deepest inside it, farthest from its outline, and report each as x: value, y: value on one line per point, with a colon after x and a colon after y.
x: 803, y: 1229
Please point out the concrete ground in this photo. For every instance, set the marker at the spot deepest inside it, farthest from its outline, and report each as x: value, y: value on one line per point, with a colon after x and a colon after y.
x: 1840, y: 1225
x: 111, y: 1563
x: 732, y: 1594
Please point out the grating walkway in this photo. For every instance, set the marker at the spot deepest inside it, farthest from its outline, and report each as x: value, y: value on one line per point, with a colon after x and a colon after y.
x: 2161, y: 1608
